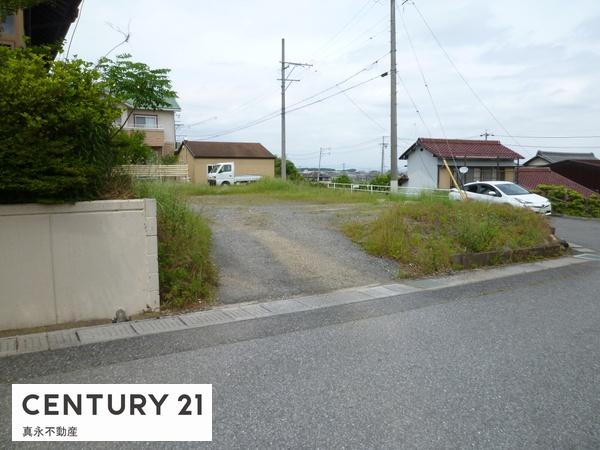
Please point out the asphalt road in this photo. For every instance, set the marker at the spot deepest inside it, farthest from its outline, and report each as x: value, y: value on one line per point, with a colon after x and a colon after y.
x: 508, y: 363
x: 276, y: 251
x: 584, y: 232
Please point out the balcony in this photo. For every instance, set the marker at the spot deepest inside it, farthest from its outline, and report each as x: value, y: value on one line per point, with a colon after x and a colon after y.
x: 155, y: 137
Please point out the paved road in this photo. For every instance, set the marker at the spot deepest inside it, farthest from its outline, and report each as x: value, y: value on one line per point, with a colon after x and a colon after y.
x: 509, y: 363
x: 584, y: 232
x: 267, y: 252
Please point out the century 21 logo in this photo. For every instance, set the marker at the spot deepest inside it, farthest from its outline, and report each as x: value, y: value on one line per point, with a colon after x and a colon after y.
x: 128, y: 404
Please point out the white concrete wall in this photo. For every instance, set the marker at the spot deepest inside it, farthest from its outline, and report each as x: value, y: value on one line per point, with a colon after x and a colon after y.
x: 68, y: 263
x: 422, y: 170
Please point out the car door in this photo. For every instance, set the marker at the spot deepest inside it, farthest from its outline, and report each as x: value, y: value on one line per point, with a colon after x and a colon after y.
x: 489, y: 193
x: 227, y: 173
x: 472, y: 191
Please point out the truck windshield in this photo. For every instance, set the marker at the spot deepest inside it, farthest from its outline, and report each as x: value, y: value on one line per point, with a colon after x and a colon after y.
x: 214, y: 169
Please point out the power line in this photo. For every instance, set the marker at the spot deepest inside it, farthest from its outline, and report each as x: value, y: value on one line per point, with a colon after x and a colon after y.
x: 74, y: 29
x: 454, y: 66
x: 275, y: 114
x: 595, y: 147
x: 551, y: 137
x: 366, y: 114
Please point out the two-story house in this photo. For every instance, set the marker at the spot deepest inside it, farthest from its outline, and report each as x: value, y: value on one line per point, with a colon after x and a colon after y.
x: 46, y: 23
x: 158, y: 125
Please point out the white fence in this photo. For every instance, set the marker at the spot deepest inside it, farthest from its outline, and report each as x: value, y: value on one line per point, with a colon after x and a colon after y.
x: 372, y: 189
x: 158, y: 172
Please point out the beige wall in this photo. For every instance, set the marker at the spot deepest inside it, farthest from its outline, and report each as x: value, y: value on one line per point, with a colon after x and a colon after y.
x: 444, y: 180
x: 69, y: 263
x: 198, y: 167
x: 15, y: 39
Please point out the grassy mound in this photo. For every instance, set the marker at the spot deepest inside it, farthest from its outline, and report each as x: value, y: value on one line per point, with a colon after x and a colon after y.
x: 187, y: 275
x: 423, y: 235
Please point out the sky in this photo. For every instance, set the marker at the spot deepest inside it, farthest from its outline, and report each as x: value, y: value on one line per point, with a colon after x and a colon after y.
x: 524, y: 70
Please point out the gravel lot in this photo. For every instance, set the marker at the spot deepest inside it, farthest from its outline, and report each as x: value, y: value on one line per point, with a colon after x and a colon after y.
x: 267, y: 252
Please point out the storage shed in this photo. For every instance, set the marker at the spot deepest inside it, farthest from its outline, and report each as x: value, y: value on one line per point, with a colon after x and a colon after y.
x: 249, y: 158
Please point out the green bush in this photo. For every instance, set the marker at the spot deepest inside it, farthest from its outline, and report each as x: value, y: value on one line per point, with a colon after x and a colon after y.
x: 291, y: 171
x: 56, y: 132
x: 570, y: 202
x: 342, y: 179
x: 423, y: 235
x: 381, y: 180
x: 187, y: 275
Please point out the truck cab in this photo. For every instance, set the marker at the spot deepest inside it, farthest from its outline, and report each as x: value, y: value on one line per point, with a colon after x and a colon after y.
x: 224, y: 174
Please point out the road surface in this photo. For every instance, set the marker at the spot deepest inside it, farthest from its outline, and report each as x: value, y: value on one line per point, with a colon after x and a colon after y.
x: 509, y: 363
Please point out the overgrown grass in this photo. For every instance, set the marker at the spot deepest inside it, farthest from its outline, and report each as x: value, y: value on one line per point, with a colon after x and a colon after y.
x: 268, y: 190
x: 187, y: 275
x: 423, y: 236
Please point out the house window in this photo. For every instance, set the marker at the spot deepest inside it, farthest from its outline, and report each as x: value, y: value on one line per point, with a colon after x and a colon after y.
x: 9, y: 25
x: 145, y: 121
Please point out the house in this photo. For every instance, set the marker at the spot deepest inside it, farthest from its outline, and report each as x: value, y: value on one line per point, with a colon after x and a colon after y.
x: 46, y: 23
x: 543, y: 158
x: 249, y: 158
x: 486, y: 161
x: 157, y: 125
x: 582, y: 171
x: 531, y: 177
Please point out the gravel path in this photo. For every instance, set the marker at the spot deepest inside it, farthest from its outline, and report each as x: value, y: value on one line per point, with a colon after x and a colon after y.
x: 268, y: 252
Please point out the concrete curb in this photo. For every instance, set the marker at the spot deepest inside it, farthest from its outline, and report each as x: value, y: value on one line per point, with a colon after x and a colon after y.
x: 248, y: 311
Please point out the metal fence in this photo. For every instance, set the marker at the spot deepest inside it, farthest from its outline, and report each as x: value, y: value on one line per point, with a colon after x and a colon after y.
x: 376, y: 189
x: 177, y: 172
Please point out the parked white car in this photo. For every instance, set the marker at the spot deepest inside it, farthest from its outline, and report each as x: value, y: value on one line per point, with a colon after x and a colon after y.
x: 503, y: 192
x: 225, y: 173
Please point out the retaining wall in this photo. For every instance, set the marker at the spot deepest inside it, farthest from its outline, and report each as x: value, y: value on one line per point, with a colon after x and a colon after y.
x: 70, y: 263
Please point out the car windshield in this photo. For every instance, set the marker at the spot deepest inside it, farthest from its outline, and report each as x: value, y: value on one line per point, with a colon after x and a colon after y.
x: 512, y: 189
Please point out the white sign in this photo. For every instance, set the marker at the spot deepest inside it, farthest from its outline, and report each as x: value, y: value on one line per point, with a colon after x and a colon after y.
x: 463, y: 170
x: 111, y: 412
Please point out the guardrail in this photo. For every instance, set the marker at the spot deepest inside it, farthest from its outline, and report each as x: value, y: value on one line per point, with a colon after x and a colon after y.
x: 157, y: 171
x: 373, y: 188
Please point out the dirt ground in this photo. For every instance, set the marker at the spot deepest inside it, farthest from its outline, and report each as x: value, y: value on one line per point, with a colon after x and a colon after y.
x: 282, y: 250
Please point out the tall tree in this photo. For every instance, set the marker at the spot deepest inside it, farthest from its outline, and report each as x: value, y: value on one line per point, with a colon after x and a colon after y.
x: 136, y: 84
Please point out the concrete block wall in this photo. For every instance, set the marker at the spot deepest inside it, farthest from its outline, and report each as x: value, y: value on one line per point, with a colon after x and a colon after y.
x: 70, y: 263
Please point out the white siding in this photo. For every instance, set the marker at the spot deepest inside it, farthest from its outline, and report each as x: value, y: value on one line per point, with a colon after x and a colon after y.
x: 422, y: 170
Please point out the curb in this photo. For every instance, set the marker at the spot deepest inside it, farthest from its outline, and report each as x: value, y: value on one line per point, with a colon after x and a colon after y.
x: 55, y: 340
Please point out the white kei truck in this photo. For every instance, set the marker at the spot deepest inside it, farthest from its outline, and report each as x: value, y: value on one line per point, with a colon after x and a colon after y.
x: 223, y: 174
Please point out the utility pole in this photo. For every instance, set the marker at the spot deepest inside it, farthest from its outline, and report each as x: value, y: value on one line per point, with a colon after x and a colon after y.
x: 284, y: 66
x: 383, y: 147
x: 322, y: 151
x: 486, y: 135
x: 394, y: 102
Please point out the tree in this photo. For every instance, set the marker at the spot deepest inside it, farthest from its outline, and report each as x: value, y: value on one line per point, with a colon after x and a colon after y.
x: 381, y: 180
x: 57, y: 133
x: 135, y: 83
x: 8, y: 7
x: 343, y: 179
x: 291, y: 170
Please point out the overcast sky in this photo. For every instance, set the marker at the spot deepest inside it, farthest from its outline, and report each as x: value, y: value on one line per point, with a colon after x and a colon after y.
x: 535, y: 64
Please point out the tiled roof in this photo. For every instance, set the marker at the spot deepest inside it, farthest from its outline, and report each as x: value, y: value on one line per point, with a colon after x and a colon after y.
x: 532, y: 177
x: 225, y: 150
x: 171, y: 105
x: 553, y: 157
x: 463, y: 148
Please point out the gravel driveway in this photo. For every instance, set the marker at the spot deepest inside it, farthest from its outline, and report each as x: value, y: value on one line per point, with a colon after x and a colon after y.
x: 275, y: 251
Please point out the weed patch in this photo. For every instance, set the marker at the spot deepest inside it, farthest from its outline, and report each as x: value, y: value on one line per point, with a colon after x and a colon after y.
x: 187, y: 275
x: 424, y: 235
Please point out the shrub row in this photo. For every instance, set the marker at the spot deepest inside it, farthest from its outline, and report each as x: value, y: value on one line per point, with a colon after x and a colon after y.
x: 570, y: 202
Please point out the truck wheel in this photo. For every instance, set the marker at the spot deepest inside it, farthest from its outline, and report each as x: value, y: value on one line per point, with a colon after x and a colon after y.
x: 225, y: 183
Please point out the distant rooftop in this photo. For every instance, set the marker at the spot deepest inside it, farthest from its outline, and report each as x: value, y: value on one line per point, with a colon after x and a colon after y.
x: 463, y: 148
x: 172, y: 105
x: 554, y: 157
x: 532, y: 177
